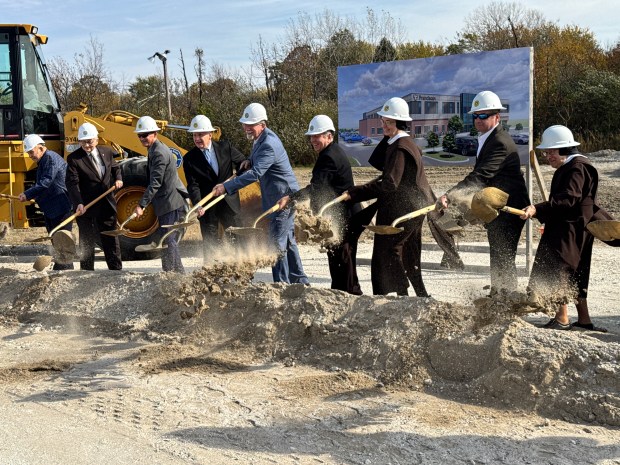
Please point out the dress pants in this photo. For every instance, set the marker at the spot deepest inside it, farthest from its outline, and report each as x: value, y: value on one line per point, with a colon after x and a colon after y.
x: 170, y: 256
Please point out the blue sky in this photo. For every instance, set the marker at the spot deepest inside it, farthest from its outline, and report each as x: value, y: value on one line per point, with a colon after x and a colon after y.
x: 364, y: 87
x: 131, y: 31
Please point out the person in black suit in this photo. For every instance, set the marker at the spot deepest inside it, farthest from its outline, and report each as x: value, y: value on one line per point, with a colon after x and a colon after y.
x: 497, y: 165
x: 331, y: 176
x: 207, y: 164
x: 92, y: 170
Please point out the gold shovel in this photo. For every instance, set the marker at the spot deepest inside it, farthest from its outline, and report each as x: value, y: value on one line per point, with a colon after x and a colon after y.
x: 338, y: 199
x: 121, y: 231
x: 392, y: 229
x: 186, y: 220
x: 64, y: 241
x: 247, y: 231
x: 160, y: 244
x: 487, y: 203
x: 605, y: 230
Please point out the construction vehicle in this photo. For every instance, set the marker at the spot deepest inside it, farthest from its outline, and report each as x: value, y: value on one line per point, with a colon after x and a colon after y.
x: 28, y: 105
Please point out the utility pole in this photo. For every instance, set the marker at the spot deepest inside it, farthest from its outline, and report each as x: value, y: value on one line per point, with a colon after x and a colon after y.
x: 164, y: 60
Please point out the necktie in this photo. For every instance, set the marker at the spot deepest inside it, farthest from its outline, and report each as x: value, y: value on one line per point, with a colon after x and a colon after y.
x: 98, y: 163
x: 211, y: 160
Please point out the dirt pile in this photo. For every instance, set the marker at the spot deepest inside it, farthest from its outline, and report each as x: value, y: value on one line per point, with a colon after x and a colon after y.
x: 484, y: 354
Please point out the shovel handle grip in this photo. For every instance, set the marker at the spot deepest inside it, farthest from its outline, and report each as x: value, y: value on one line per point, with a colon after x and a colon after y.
x: 13, y: 197
x: 415, y: 214
x: 512, y: 211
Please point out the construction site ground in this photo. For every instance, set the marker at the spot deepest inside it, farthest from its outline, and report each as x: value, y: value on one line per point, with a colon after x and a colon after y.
x: 222, y: 366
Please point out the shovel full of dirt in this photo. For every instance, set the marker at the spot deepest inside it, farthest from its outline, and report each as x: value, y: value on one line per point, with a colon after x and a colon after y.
x: 392, y: 229
x: 254, y: 230
x: 487, y: 203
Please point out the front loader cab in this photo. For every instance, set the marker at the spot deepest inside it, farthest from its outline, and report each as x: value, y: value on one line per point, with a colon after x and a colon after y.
x: 28, y: 104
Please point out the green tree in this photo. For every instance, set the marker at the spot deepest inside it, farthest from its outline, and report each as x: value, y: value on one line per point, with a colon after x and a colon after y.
x: 432, y: 139
x: 449, y: 142
x: 519, y: 127
x: 385, y: 51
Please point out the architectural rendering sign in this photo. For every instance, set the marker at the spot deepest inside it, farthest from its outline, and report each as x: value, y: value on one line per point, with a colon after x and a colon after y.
x: 439, y: 92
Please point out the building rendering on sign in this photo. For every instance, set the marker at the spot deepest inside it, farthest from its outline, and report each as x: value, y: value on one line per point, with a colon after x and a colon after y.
x: 430, y: 112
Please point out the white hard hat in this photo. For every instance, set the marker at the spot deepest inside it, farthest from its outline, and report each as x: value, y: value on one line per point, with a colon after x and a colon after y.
x: 320, y: 124
x: 200, y: 123
x: 557, y: 137
x: 486, y: 100
x: 31, y: 141
x: 87, y: 131
x: 254, y: 113
x: 146, y: 124
x: 395, y: 108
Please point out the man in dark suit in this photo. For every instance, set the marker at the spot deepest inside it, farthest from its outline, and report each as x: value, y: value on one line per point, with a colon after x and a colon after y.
x: 207, y: 164
x: 331, y: 176
x: 92, y: 170
x: 497, y: 165
x: 164, y: 190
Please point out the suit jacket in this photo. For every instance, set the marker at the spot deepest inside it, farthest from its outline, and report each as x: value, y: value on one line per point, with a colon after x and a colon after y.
x: 85, y: 184
x: 331, y: 176
x: 270, y: 165
x: 50, y: 190
x: 200, y: 177
x: 164, y: 187
x: 498, y: 165
x: 402, y: 187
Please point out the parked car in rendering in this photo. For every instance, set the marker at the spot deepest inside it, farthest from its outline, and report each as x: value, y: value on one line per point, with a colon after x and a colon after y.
x: 521, y: 139
x: 466, y: 145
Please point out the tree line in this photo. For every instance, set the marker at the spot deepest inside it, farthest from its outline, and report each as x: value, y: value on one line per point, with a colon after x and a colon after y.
x: 576, y: 80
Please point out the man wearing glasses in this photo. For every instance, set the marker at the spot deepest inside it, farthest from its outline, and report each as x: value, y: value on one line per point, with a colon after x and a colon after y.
x: 497, y: 165
x: 163, y: 190
x: 91, y: 170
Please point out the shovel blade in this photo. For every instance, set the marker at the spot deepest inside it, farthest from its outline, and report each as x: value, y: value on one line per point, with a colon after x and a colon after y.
x: 491, y: 196
x: 115, y: 232
x: 605, y: 230
x: 42, y: 262
x: 150, y: 247
x: 243, y: 231
x: 179, y: 225
x: 384, y: 229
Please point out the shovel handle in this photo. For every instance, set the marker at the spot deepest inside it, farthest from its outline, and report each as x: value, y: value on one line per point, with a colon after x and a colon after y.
x: 86, y: 207
x: 13, y: 197
x: 538, y: 175
x: 275, y: 208
x: 131, y: 217
x: 332, y: 202
x: 512, y: 211
x: 415, y: 214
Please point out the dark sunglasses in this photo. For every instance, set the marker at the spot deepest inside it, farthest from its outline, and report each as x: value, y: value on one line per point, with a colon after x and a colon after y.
x: 144, y: 135
x: 482, y: 115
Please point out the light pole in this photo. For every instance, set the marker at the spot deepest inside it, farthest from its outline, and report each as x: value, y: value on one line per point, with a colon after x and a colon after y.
x: 164, y: 60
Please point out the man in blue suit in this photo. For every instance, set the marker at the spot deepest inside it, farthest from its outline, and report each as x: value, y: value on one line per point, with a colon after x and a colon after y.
x: 269, y: 164
x: 49, y: 190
